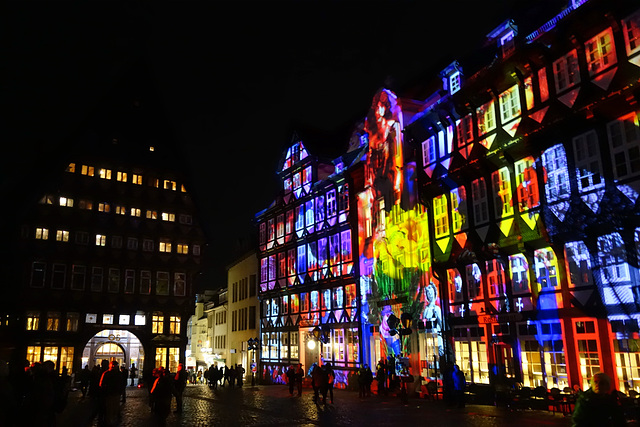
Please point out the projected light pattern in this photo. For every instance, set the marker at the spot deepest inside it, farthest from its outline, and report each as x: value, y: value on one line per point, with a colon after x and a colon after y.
x: 557, y: 182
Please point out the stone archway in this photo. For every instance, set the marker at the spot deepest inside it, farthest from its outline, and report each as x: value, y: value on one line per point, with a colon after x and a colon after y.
x: 109, y: 344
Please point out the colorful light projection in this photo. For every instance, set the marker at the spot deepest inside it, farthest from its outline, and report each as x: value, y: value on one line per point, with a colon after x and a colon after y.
x: 556, y: 180
x: 393, y: 234
x: 614, y: 277
x: 546, y: 269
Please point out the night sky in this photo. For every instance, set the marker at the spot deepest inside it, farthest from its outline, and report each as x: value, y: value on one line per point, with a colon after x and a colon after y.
x: 234, y: 80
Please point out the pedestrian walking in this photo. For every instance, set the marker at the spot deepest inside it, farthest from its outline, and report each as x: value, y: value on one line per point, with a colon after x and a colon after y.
x: 161, y: 393
x: 124, y: 377
x: 180, y: 383
x: 331, y: 376
x: 319, y: 383
x: 110, y: 391
x: 226, y: 375
x: 599, y: 406
x: 85, y: 377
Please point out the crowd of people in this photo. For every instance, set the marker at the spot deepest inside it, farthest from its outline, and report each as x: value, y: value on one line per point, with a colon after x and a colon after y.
x: 215, y: 376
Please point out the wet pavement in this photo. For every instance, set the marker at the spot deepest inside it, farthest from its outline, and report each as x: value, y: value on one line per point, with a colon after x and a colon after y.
x: 272, y: 405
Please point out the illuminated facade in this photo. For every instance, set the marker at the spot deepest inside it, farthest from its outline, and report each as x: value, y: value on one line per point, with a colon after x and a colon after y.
x: 307, y: 276
x: 530, y: 173
x: 111, y: 243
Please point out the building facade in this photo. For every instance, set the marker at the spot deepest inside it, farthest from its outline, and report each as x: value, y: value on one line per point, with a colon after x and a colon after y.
x: 110, y: 247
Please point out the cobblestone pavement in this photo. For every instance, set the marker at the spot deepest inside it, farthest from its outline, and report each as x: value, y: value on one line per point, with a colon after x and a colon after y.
x: 272, y: 405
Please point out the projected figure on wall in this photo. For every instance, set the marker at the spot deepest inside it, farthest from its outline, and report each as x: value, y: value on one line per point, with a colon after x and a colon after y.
x: 433, y: 313
x: 385, y: 163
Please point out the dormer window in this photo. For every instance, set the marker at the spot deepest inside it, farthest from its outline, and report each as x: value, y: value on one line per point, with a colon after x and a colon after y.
x: 454, y: 82
x: 452, y: 78
x: 507, y: 44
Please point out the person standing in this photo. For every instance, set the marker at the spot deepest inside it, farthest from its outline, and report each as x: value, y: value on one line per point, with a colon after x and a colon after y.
x: 381, y: 378
x: 319, y: 383
x: 110, y: 391
x: 180, y: 383
x: 291, y: 379
x: 124, y: 377
x: 459, y: 386
x: 133, y: 373
x: 85, y: 377
x: 599, y: 405
x: 161, y: 392
x: 299, y: 378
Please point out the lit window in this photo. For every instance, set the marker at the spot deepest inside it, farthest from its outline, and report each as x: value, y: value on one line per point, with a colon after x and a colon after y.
x: 566, y: 71
x: 588, y: 162
x: 104, y: 173
x: 527, y: 184
x: 507, y: 44
x: 72, y: 322
x: 62, y: 235
x: 600, y: 52
x: 140, y: 320
x: 87, y: 170
x: 157, y: 324
x: 42, y: 233
x: 101, y: 240
x: 91, y: 318
x: 174, y: 325
x: 170, y: 185
x: 124, y: 319
x: 71, y: 168
x: 464, y: 129
x: 107, y: 319
x: 166, y: 216
x: 441, y: 216
x: 136, y: 179
x: 164, y: 247
x: 121, y: 210
x: 53, y: 321
x: 152, y: 214
x: 502, y: 191
x: 183, y: 249
x: 136, y: 212
x: 631, y: 30
x: 543, y: 84
x: 486, y: 118
x: 65, y: 201
x: 46, y: 200
x: 155, y: 183
x: 454, y: 82
x: 510, y: 104
x: 33, y: 321
x: 121, y: 176
x: 183, y: 189
x: 104, y: 207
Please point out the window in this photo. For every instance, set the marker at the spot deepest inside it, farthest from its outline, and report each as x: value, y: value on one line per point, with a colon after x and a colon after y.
x: 557, y: 188
x: 174, y: 325
x: 486, y: 117
x: 527, y: 184
x: 624, y: 141
x: 152, y: 214
x: 78, y: 273
x: 42, y: 233
x: 58, y: 276
x: 182, y: 248
x: 157, y: 324
x: 162, y: 283
x: 104, y: 173
x: 65, y: 202
x: 147, y: 245
x: 588, y: 168
x: 71, y: 168
x: 140, y: 319
x: 104, y: 207
x: 507, y: 44
x: 132, y: 243
x: 509, y: 104
x: 129, y: 281
x: 502, y: 192
x: 196, y: 250
x: 121, y: 176
x: 588, y: 352
x: 114, y: 280
x: 185, y: 219
x: 96, y: 279
x: 441, y: 216
x: 170, y: 185
x: 62, y: 236
x: 464, y: 129
x: 454, y: 82
x: 429, y: 151
x: 101, y: 240
x: 124, y: 319
x: 167, y: 216
x: 72, y: 322
x: 164, y: 247
x: 600, y: 52
x: 116, y: 242
x: 91, y: 318
x: 614, y: 268
x: 480, y: 201
x: 179, y: 284
x: 136, y: 212
x: 121, y: 210
x: 136, y: 179
x: 38, y: 270
x: 107, y: 319
x: 87, y: 170
x: 566, y: 71
x: 631, y: 30
x: 33, y: 321
x: 85, y: 204
x: 543, y: 84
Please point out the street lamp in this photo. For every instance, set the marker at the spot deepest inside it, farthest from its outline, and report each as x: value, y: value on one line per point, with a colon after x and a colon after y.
x: 253, y: 344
